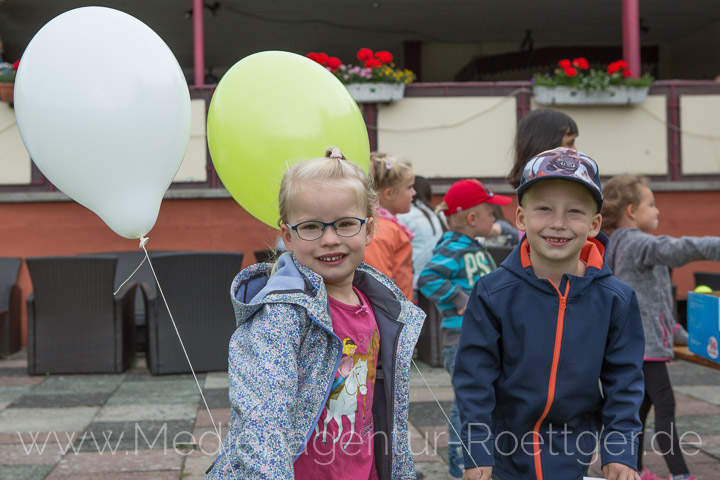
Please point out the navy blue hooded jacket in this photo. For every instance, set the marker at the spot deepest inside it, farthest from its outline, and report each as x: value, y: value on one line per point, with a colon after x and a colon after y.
x: 527, y: 370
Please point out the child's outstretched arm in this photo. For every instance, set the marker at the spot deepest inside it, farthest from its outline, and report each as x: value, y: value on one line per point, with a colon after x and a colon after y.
x: 622, y: 383
x: 676, y: 252
x: 477, y: 367
x: 263, y: 386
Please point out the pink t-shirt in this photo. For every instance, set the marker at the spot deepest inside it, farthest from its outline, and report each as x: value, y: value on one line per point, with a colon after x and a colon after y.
x: 347, y: 452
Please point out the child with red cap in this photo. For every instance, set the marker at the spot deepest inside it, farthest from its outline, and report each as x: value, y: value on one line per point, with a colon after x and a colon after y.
x: 459, y: 259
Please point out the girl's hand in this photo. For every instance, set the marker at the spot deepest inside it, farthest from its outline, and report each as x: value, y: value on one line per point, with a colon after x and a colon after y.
x: 479, y: 473
x: 618, y: 471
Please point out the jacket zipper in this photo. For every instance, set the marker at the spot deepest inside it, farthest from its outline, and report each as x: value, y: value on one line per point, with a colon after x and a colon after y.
x: 553, y: 378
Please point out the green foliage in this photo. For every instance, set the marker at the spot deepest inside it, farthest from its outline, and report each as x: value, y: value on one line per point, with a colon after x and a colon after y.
x: 570, y: 74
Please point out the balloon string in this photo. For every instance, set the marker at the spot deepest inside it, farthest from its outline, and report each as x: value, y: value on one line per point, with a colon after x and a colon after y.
x: 445, y: 414
x: 143, y: 241
x: 133, y: 273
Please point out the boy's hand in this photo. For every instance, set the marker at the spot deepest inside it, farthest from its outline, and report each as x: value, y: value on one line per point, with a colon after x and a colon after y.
x: 618, y: 471
x: 479, y: 473
x: 461, y: 311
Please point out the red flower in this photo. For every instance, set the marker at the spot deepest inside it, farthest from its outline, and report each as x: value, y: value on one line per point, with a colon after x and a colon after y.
x: 384, y: 57
x: 322, y: 58
x: 333, y: 63
x: 626, y: 73
x: 312, y: 56
x: 364, y: 54
x: 564, y: 63
x: 581, y: 63
x: 570, y: 71
x: 373, y: 63
x: 617, y: 66
x: 16, y: 64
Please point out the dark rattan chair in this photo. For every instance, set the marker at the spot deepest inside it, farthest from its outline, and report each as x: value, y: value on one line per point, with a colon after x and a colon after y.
x: 10, y: 303
x: 267, y: 255
x: 197, y: 288
x: 75, y: 324
x: 429, y: 344
x: 499, y: 254
x: 709, y: 279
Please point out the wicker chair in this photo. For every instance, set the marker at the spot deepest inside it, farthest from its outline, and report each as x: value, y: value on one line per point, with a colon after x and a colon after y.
x: 75, y: 324
x: 499, y: 254
x: 196, y: 286
x: 709, y: 279
x: 10, y: 303
x: 429, y: 344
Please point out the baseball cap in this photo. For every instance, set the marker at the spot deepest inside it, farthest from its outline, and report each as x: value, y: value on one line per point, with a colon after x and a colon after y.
x: 564, y: 163
x: 465, y: 194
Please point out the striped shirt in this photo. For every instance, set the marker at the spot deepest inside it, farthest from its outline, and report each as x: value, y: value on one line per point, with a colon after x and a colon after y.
x: 457, y: 262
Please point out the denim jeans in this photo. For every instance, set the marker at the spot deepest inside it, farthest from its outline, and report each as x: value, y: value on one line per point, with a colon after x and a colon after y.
x: 455, y: 452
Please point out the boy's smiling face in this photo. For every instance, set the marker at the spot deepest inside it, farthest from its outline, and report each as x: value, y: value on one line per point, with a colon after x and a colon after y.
x: 557, y: 216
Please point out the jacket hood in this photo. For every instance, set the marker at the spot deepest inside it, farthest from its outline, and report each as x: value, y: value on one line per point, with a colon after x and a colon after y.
x: 291, y: 283
x: 592, y: 254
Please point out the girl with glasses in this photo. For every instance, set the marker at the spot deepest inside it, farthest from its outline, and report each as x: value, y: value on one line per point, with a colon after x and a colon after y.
x: 320, y: 362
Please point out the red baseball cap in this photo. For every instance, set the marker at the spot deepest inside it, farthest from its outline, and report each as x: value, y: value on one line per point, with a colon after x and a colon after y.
x: 465, y: 194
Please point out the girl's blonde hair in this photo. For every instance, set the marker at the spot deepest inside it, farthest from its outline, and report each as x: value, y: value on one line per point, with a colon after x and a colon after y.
x: 389, y: 171
x: 332, y: 169
x: 619, y: 192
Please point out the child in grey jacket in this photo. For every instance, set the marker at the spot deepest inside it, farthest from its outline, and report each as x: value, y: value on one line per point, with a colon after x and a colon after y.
x: 641, y: 260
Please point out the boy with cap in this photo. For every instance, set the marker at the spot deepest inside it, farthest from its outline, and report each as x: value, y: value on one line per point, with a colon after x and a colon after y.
x: 459, y: 259
x: 541, y: 330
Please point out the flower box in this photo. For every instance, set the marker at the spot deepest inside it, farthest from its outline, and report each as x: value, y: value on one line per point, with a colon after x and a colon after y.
x: 613, y: 95
x: 370, y: 92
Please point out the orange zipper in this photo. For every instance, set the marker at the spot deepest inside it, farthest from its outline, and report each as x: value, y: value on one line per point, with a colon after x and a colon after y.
x: 553, y: 378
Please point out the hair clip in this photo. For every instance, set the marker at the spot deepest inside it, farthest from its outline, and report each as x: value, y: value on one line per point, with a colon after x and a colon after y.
x: 335, y: 153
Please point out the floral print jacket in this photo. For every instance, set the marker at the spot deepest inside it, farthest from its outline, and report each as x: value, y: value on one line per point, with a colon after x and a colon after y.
x: 282, y: 361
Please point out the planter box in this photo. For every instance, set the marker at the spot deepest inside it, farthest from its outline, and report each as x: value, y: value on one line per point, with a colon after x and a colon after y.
x: 572, y: 96
x: 376, y: 92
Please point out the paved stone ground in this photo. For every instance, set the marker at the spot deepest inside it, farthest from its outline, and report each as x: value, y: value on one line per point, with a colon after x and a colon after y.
x: 134, y: 426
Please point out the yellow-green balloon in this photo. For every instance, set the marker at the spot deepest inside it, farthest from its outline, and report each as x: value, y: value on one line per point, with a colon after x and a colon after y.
x: 270, y: 110
x: 703, y: 289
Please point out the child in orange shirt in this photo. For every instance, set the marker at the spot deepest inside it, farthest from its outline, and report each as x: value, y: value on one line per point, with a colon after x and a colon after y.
x: 391, y: 251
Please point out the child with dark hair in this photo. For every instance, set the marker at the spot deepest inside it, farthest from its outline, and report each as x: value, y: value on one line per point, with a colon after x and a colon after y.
x: 542, y: 129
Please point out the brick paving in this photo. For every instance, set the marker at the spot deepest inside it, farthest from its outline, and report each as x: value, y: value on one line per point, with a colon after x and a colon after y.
x: 134, y: 426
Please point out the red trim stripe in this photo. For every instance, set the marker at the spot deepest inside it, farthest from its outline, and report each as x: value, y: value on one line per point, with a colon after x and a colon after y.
x: 553, y: 378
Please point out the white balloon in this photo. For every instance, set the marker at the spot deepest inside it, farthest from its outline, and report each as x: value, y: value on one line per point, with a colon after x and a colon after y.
x: 103, y: 108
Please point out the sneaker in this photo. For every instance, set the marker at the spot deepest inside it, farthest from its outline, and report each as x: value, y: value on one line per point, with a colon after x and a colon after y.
x: 456, y: 465
x: 686, y: 476
x: 648, y: 475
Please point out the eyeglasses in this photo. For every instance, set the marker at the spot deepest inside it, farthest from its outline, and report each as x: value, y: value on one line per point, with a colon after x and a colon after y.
x: 344, y: 227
